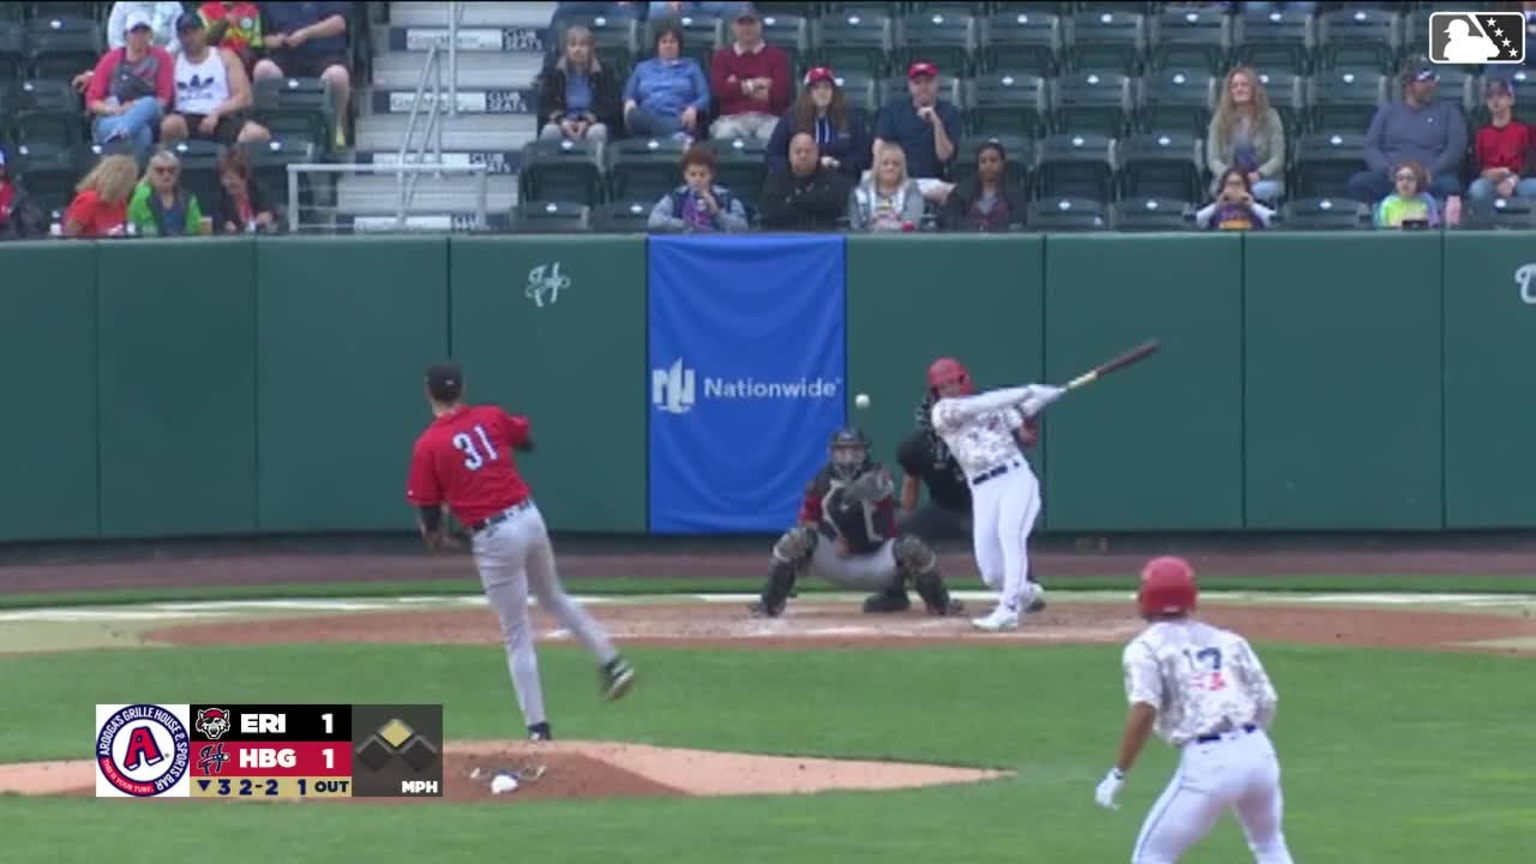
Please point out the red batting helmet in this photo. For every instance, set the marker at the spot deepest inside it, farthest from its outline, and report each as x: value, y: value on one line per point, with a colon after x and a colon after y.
x: 947, y: 370
x: 1167, y: 587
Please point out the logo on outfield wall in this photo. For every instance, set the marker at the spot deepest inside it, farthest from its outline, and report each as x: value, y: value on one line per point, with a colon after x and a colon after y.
x: 545, y: 282
x: 1525, y: 277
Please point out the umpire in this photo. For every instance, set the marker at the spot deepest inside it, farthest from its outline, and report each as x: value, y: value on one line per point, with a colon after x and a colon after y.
x: 925, y: 460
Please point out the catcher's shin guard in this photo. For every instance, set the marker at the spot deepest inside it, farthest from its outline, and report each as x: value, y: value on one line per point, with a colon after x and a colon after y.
x: 892, y: 599
x: 920, y: 561
x: 781, y: 580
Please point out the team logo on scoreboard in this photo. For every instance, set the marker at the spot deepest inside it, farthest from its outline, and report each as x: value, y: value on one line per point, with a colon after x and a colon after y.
x: 141, y: 750
x: 211, y: 759
x: 213, y: 723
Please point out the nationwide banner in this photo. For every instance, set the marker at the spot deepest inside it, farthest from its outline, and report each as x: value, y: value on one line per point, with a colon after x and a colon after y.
x: 748, y: 363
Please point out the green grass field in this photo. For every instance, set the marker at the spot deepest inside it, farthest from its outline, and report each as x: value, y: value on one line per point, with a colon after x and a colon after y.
x: 1402, y: 757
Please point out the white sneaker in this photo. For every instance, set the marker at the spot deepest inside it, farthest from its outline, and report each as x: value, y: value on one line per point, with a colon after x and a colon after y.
x: 1002, y: 618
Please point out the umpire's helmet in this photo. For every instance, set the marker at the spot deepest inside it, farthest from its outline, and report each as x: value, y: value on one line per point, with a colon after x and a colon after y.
x: 945, y: 371
x: 1167, y: 588
x: 850, y: 452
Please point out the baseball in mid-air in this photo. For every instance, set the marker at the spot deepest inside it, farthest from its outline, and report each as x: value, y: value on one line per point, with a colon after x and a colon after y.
x: 861, y: 401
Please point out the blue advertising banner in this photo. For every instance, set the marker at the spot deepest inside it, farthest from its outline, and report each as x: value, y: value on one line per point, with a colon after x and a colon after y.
x: 747, y: 347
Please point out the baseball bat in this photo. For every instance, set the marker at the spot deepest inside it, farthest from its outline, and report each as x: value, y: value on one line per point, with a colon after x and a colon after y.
x: 1135, y: 355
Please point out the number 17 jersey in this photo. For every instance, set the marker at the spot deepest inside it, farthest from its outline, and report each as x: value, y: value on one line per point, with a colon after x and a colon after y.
x: 1201, y: 679
x: 464, y: 459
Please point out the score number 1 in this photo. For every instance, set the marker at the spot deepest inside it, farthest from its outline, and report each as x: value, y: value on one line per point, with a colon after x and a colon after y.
x: 330, y: 729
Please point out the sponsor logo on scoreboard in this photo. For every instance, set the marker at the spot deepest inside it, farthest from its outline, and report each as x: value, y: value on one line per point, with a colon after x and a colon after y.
x: 142, y: 751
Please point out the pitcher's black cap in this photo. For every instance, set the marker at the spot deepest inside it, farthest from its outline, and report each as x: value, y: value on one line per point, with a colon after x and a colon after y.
x: 445, y: 382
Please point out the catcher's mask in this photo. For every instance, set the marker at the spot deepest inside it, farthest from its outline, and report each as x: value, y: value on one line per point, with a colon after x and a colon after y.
x: 850, y: 453
x: 1167, y: 588
x: 946, y: 377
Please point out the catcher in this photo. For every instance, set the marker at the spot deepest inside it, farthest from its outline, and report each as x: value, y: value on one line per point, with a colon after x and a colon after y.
x: 847, y: 535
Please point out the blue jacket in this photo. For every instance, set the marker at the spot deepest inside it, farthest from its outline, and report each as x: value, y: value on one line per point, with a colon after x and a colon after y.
x: 851, y: 147
x: 668, y: 88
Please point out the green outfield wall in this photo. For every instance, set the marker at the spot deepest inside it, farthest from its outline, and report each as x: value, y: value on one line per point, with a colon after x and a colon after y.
x: 1307, y: 382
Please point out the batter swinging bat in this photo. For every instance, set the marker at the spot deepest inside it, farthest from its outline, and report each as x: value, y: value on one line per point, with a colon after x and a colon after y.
x: 1135, y: 355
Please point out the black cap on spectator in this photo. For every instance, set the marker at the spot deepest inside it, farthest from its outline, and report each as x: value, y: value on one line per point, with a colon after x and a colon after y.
x: 445, y: 383
x: 188, y: 22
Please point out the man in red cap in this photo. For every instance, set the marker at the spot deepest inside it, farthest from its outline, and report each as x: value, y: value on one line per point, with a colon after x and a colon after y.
x: 1203, y: 690
x: 925, y: 127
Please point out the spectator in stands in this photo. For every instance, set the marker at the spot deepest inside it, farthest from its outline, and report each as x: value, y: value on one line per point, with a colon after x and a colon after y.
x: 130, y: 88
x: 309, y: 40
x: 889, y: 200
x: 100, y: 208
x: 676, y: 9
x: 162, y: 21
x: 19, y: 217
x: 1234, y: 208
x: 1246, y: 133
x: 160, y: 207
x: 1503, y: 148
x: 821, y: 111
x: 698, y: 205
x: 244, y: 205
x: 235, y: 27
x: 213, y: 96
x: 804, y: 195
x: 1420, y: 129
x: 1411, y: 205
x: 990, y: 203
x: 579, y: 96
x: 668, y: 94
x: 750, y: 80
x: 926, y: 128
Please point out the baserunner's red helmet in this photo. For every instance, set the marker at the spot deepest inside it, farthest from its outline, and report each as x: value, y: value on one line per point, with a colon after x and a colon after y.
x: 947, y: 370
x: 1167, y: 587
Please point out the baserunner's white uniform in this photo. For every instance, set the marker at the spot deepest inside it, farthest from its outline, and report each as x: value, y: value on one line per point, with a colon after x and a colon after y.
x: 1005, y: 494
x: 1214, y: 703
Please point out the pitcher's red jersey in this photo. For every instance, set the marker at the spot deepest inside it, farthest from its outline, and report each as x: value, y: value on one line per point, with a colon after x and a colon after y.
x: 464, y: 460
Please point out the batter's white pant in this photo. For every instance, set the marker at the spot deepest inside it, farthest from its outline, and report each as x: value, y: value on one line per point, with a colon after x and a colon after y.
x: 875, y: 571
x: 513, y: 557
x: 1003, y: 510
x: 1239, y: 772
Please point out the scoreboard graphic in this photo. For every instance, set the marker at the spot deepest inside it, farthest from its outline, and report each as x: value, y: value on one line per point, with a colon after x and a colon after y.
x: 263, y: 752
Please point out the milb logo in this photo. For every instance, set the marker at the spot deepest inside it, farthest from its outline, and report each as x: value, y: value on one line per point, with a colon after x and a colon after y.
x: 1474, y: 38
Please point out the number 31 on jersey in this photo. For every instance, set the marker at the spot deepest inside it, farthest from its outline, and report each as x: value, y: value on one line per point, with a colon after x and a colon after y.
x: 477, y: 448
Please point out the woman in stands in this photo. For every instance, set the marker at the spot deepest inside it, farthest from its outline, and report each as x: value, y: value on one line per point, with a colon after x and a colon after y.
x: 19, y: 217
x: 244, y: 205
x: 579, y: 97
x: 889, y: 200
x: 160, y: 207
x: 1234, y: 208
x: 100, y: 208
x: 989, y: 203
x: 668, y: 94
x: 1246, y: 133
x: 821, y: 111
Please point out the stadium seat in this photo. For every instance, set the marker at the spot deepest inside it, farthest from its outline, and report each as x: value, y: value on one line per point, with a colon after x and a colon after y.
x: 1324, y: 162
x: 1008, y: 104
x: 855, y: 41
x: 1287, y: 95
x: 1499, y: 214
x: 1457, y: 86
x: 1075, y: 166
x: 45, y: 95
x: 1273, y: 41
x: 296, y: 108
x: 59, y: 48
x: 50, y: 137
x: 1358, y: 38
x: 1067, y: 215
x: 551, y: 217
x: 1151, y: 214
x: 950, y: 90
x: 1096, y: 102
x: 622, y: 217
x: 859, y: 90
x: 1020, y: 152
x: 560, y: 171
x: 942, y: 37
x: 200, y: 169
x: 1024, y: 40
x: 701, y: 36
x: 64, y: 10
x: 269, y: 166
x: 1161, y: 165
x: 742, y: 167
x: 615, y: 40
x: 1345, y: 99
x: 13, y: 46
x: 792, y: 34
x: 1105, y: 40
x: 1325, y: 214
x: 1176, y: 99
x: 1191, y: 39
x: 644, y: 169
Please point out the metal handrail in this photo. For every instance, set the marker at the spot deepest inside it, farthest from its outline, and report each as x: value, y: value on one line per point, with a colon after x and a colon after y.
x: 433, y: 133
x: 455, y: 12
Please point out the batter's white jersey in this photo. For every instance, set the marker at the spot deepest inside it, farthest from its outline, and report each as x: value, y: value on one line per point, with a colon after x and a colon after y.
x: 1202, y: 680
x: 979, y: 430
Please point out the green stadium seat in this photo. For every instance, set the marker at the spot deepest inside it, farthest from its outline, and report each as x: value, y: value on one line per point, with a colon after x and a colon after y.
x: 1177, y: 100
x: 791, y: 33
x: 622, y: 217
x: 1008, y: 104
x: 1273, y: 41
x: 269, y: 166
x: 1359, y: 38
x: 296, y: 108
x: 560, y: 171
x: 1457, y: 86
x: 1190, y: 39
x: 1325, y: 214
x: 1025, y: 40
x: 1324, y: 161
x: 13, y: 51
x: 49, y: 135
x: 644, y: 169
x: 863, y: 7
x: 1345, y: 99
x: 1067, y: 215
x: 942, y: 37
x: 1105, y: 40
x: 1515, y: 214
x: 64, y: 10
x: 1075, y: 166
x: 855, y: 41
x: 1161, y: 165
x: 742, y: 167
x: 1096, y: 102
x: 60, y: 48
x: 1147, y: 214
x: 1287, y: 95
x: 551, y: 217
x: 859, y: 88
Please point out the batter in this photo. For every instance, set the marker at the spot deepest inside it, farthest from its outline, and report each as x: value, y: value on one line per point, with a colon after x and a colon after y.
x: 1204, y: 691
